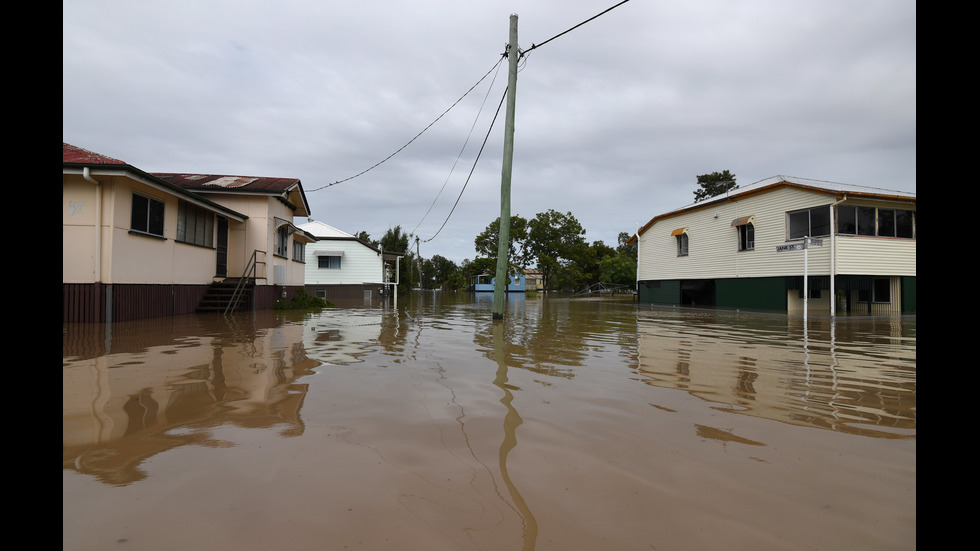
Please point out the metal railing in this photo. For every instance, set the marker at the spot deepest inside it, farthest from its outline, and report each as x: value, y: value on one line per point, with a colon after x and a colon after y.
x: 249, y: 275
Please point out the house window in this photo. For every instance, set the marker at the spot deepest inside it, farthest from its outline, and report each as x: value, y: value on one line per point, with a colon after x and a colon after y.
x: 328, y: 262
x: 680, y: 234
x: 299, y: 251
x: 874, y: 221
x: 746, y: 237
x: 880, y: 291
x: 195, y: 225
x: 813, y: 222
x: 681, y: 244
x: 896, y: 223
x: 855, y: 220
x: 282, y: 240
x: 147, y: 216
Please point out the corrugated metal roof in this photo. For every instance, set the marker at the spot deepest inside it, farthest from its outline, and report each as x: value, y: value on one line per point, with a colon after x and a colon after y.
x: 74, y: 154
x: 217, y: 182
x: 321, y: 230
x: 815, y: 185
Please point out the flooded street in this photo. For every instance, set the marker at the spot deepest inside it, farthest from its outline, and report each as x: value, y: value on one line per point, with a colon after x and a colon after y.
x: 572, y: 425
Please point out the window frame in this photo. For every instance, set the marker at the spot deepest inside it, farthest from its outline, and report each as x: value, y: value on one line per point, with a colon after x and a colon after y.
x: 745, y: 231
x: 877, y: 290
x: 155, y: 216
x: 299, y: 251
x: 792, y: 218
x: 282, y: 241
x: 683, y: 244
x: 321, y: 265
x: 197, y: 219
x: 867, y: 221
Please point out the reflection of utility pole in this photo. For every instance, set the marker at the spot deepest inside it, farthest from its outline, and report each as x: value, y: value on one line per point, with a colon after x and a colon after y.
x: 418, y: 257
x: 512, y: 420
x: 503, y: 238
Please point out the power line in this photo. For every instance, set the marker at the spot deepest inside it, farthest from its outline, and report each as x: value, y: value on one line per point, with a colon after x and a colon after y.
x: 416, y: 136
x: 533, y: 46
x: 487, y: 137
x: 522, y: 54
x: 473, y: 126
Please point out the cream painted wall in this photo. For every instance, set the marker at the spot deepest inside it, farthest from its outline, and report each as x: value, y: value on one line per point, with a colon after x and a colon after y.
x: 134, y: 258
x: 713, y: 243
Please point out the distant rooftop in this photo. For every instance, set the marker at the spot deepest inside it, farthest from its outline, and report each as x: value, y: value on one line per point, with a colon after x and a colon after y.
x: 321, y: 230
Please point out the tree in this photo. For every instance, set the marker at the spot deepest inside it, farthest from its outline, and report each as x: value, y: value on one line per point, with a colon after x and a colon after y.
x: 625, y: 246
x: 396, y: 241
x: 366, y: 238
x: 555, y: 240
x: 714, y: 184
x: 619, y: 269
x: 517, y: 255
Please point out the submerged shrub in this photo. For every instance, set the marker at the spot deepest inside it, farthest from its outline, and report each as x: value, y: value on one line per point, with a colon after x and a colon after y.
x: 302, y: 301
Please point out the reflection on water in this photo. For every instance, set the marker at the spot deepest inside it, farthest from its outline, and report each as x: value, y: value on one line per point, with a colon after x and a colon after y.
x: 852, y: 375
x: 598, y: 413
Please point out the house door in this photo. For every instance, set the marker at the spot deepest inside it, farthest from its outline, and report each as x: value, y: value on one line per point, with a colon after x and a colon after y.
x: 221, y: 263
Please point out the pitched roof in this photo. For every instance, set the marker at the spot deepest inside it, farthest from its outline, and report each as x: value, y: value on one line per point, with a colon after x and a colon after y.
x: 74, y: 154
x: 221, y: 182
x: 321, y: 230
x: 286, y: 189
x: 768, y: 184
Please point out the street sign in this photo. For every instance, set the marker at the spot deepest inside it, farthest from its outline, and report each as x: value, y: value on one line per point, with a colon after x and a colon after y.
x: 799, y: 246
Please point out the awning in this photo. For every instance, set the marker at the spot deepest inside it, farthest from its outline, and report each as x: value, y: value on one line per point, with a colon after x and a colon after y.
x: 678, y: 231
x: 290, y: 228
x: 745, y: 220
x: 328, y: 253
x: 303, y: 237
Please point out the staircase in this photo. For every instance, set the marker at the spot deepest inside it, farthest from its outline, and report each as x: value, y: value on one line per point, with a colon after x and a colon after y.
x: 220, y: 294
x: 235, y: 293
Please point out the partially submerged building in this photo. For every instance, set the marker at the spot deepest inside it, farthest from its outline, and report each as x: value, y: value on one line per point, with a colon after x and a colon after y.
x: 340, y: 266
x: 139, y: 245
x: 744, y: 250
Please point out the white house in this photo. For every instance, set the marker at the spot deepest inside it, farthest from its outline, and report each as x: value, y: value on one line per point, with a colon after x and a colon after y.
x: 744, y: 250
x: 341, y: 266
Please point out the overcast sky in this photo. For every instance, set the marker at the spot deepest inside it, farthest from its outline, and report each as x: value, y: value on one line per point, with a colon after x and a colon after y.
x: 614, y: 120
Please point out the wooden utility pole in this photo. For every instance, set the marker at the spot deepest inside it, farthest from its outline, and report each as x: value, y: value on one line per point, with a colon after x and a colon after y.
x: 503, y: 239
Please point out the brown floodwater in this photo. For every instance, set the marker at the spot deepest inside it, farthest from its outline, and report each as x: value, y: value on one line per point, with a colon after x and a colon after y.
x: 570, y: 425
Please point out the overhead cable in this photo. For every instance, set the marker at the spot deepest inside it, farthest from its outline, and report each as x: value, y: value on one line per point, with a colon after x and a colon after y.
x: 487, y: 137
x: 467, y: 141
x: 533, y: 46
x: 416, y: 136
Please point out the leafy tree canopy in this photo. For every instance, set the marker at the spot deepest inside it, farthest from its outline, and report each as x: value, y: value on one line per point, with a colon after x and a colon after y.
x: 714, y: 184
x: 486, y: 242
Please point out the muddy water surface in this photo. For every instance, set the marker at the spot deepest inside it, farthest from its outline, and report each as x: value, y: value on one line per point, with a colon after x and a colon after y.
x: 572, y: 425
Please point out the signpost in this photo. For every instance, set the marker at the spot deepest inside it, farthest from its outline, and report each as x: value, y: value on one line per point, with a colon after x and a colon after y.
x: 804, y: 246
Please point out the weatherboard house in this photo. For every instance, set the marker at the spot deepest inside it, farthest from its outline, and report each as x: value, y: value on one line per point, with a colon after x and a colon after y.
x: 340, y: 266
x: 749, y: 249
x: 139, y: 245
